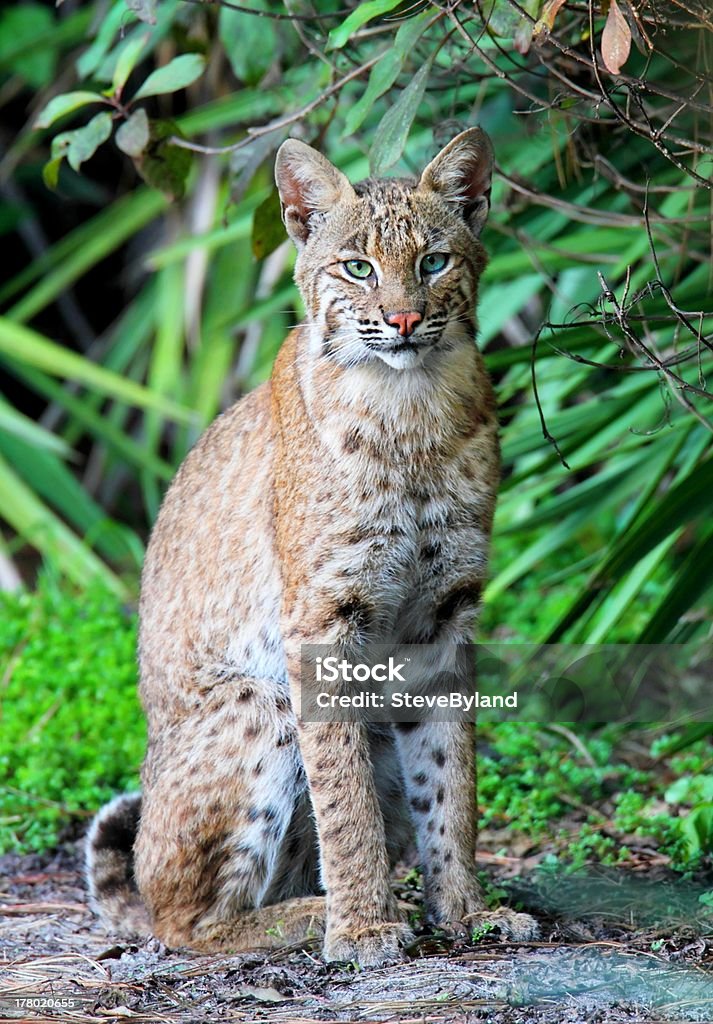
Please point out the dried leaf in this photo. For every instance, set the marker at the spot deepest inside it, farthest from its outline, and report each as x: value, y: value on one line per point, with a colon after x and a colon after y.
x: 245, y: 162
x: 639, y: 34
x: 546, y: 21
x: 616, y: 39
x: 264, y: 995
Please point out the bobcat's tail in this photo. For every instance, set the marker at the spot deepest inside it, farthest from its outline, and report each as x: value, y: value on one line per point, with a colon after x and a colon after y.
x: 110, y: 867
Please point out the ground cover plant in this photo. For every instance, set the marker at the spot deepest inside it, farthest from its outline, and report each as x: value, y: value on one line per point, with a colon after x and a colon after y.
x: 72, y: 735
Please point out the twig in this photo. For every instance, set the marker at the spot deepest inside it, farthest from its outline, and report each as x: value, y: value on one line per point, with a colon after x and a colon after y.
x: 282, y: 122
x: 562, y: 730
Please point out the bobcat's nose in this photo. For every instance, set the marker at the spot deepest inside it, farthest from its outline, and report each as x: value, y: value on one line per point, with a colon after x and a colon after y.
x: 406, y: 322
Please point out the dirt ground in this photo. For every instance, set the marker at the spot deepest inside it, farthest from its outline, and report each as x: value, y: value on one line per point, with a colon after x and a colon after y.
x: 616, y: 948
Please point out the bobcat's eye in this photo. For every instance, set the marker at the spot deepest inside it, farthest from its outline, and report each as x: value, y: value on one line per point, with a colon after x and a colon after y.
x: 359, y: 268
x: 432, y: 262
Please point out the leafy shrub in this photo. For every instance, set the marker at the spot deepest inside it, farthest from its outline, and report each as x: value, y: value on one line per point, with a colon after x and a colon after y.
x: 599, y: 239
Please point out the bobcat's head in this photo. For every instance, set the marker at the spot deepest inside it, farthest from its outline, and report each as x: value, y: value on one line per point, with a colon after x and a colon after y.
x: 388, y: 268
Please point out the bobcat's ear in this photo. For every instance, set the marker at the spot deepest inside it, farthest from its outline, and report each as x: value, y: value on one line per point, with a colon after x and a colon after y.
x: 307, y: 184
x: 461, y: 174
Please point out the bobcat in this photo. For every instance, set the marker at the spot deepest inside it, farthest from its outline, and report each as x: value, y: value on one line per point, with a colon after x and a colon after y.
x: 348, y: 499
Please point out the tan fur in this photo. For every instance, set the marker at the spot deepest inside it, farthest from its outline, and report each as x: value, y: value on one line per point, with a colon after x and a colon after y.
x: 349, y: 499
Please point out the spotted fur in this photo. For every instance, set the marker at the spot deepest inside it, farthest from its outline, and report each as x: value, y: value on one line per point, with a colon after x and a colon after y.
x: 350, y: 499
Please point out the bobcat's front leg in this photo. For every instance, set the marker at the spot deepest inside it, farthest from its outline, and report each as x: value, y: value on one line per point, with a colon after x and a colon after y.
x: 438, y: 763
x: 363, y: 922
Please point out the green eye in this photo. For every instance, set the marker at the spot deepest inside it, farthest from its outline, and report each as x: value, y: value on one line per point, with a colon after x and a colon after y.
x: 359, y: 268
x: 433, y: 262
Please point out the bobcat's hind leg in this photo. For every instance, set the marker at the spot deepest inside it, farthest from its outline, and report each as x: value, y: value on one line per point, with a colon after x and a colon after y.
x: 222, y: 833
x: 291, y: 922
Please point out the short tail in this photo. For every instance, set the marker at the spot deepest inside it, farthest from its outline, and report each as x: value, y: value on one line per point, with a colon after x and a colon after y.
x: 110, y: 867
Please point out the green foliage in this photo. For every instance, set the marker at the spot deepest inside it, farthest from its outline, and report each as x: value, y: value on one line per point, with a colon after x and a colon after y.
x: 19, y: 28
x: 365, y: 12
x: 396, y: 124
x: 250, y: 44
x: 151, y: 307
x: 72, y: 735
x: 71, y: 731
x: 532, y: 782
x: 178, y: 74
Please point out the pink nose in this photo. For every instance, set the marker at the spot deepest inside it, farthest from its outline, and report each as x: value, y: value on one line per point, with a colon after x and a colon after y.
x: 406, y: 322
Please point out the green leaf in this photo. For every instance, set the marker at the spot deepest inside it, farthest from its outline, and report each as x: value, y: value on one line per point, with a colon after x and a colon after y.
x: 690, y: 583
x: 681, y: 504
x: 20, y: 344
x: 50, y: 172
x: 165, y: 372
x: 502, y: 19
x: 77, y: 145
x: 83, y: 249
x: 17, y: 424
x: 63, y: 492
x: 678, y: 506
x: 163, y: 164
x: 24, y: 24
x: 127, y: 61
x: 145, y: 10
x: 65, y: 104
x: 89, y: 61
x: 533, y: 555
x: 41, y: 528
x: 340, y: 35
x: 396, y: 123
x: 250, y: 43
x: 386, y: 70
x: 132, y: 136
x: 697, y: 829
x: 690, y: 734
x: 177, y: 74
x: 382, y: 77
x: 85, y: 141
x: 101, y: 428
x: 268, y: 230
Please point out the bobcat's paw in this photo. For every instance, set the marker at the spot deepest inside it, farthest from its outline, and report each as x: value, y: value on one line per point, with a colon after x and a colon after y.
x: 372, y: 946
x: 510, y: 924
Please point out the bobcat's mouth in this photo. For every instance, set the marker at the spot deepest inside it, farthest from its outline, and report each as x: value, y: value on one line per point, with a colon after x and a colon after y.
x: 403, y: 354
x: 398, y: 346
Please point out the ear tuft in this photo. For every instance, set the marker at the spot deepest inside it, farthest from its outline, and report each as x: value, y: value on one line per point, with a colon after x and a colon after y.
x: 308, y: 184
x: 461, y: 174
